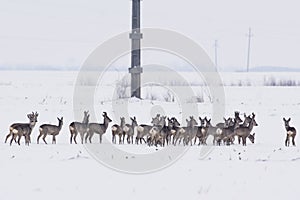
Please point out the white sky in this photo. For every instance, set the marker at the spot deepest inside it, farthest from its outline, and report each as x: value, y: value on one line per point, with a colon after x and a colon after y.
x: 64, y: 32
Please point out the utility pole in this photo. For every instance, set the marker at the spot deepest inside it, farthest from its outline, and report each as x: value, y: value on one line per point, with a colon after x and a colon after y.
x: 249, y: 35
x: 216, y: 53
x: 136, y: 36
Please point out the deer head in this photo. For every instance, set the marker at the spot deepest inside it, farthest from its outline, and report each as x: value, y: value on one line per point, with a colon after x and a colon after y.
x: 60, y: 120
x: 252, y: 138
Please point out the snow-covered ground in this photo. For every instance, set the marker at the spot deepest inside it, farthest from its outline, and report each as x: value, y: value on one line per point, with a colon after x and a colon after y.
x: 264, y: 170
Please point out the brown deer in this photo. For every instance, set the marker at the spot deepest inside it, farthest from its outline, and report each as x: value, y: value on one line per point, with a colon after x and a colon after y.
x: 201, y: 132
x: 170, y: 129
x: 236, y: 118
x: 290, y: 132
x: 186, y: 133
x: 22, y: 129
x: 79, y: 127
x: 191, y: 131
x: 48, y: 129
x: 97, y: 128
x: 246, y: 123
x: 227, y: 133
x: 158, y: 133
x: 213, y: 131
x: 118, y: 130
x: 245, y: 132
x: 175, y: 129
x: 143, y: 130
x: 130, y: 129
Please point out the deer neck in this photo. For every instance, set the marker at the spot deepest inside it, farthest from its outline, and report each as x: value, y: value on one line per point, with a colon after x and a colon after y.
x: 105, y: 123
x: 133, y: 125
x: 32, y: 124
x: 59, y: 125
x: 251, y: 125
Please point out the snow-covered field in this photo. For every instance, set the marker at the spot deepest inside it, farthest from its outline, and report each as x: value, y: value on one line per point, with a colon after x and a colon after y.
x: 264, y: 170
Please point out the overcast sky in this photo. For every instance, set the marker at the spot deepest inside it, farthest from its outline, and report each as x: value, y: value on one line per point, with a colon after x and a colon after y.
x: 64, y: 32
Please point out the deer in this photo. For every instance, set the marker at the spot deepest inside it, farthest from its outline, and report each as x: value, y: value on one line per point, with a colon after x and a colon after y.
x: 22, y: 129
x: 245, y: 132
x: 175, y: 128
x: 212, y: 130
x: 185, y: 133
x: 130, y: 129
x: 201, y: 132
x: 97, y: 128
x: 48, y: 129
x: 227, y: 133
x: 290, y: 132
x: 236, y: 117
x: 143, y: 130
x: 118, y: 130
x: 246, y: 123
x: 79, y: 127
x: 191, y: 131
x: 157, y: 134
x: 247, y: 120
x: 170, y: 129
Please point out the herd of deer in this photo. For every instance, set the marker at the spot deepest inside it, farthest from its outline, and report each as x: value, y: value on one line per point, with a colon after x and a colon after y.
x: 162, y: 131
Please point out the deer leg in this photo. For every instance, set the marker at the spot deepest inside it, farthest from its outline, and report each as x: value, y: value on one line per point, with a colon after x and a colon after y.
x: 244, y: 141
x: 293, y: 140
x: 9, y: 135
x: 128, y: 139
x: 239, y: 139
x: 287, y: 142
x: 27, y: 139
x: 81, y: 137
x: 44, y: 137
x: 100, y: 137
x: 38, y: 138
x: 124, y: 134
x: 91, y: 134
x: 53, y: 139
x: 86, y: 136
x: 195, y: 140
x: 75, y: 135
x: 71, y: 138
x: 19, y: 139
x: 12, y: 139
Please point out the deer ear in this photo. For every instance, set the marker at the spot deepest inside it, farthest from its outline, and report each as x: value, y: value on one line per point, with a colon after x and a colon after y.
x: 253, y: 134
x: 289, y: 119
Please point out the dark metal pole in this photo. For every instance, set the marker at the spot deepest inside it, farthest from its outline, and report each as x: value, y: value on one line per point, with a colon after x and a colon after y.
x: 249, y: 47
x: 136, y: 37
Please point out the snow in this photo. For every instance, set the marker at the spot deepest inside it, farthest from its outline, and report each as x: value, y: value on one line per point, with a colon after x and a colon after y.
x: 264, y: 170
